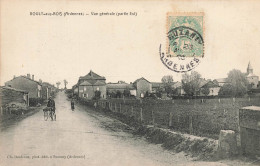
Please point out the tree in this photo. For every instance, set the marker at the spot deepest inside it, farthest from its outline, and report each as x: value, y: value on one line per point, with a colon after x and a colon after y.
x: 159, y: 92
x: 167, y: 81
x: 225, y: 90
x: 191, y: 83
x: 58, y: 84
x: 205, y: 90
x: 146, y: 94
x: 65, y: 83
x: 238, y: 81
x: 126, y: 92
x: 118, y: 94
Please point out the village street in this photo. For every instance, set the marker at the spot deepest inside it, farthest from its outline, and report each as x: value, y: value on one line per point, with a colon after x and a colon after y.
x: 80, y: 134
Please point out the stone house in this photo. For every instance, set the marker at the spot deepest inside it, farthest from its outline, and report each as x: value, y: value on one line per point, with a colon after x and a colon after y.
x: 8, y: 95
x: 47, y: 90
x: 26, y: 83
x: 121, y: 87
x: 157, y: 86
x: 213, y: 88
x: 88, y: 84
x: 142, y: 86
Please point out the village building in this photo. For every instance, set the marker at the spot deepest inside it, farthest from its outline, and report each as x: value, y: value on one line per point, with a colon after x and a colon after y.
x: 213, y: 88
x: 11, y: 95
x: 142, y: 87
x: 251, y: 77
x: 157, y: 86
x: 221, y: 81
x: 88, y: 84
x: 47, y: 90
x: 26, y: 83
x: 113, y: 88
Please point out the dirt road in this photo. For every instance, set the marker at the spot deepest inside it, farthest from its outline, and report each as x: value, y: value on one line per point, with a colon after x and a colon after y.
x: 80, y: 138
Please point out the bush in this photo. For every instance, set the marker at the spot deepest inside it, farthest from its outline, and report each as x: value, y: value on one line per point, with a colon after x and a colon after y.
x: 34, y: 101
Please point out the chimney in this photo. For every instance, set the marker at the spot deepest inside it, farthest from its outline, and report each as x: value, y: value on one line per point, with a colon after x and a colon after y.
x: 40, y: 81
x: 32, y: 77
x: 14, y: 76
x: 29, y: 76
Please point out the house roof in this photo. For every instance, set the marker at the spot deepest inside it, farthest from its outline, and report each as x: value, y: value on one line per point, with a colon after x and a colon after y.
x: 93, y: 83
x: 85, y: 83
x: 92, y: 75
x: 99, y: 83
x: 203, y: 82
x: 210, y: 84
x: 120, y: 86
x: 27, y: 79
x: 222, y: 80
x: 74, y: 86
x: 156, y: 84
x: 140, y: 80
x: 47, y: 84
x: 13, y: 89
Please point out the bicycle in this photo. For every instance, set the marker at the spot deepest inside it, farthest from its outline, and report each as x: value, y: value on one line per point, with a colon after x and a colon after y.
x: 49, y: 113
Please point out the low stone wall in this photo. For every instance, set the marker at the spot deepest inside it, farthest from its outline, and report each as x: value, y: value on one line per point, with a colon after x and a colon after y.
x: 200, y: 147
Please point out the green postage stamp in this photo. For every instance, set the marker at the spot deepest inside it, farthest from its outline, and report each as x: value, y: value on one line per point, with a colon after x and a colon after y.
x: 185, y: 44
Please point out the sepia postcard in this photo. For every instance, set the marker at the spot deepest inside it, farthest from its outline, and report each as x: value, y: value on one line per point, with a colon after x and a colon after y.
x: 129, y: 83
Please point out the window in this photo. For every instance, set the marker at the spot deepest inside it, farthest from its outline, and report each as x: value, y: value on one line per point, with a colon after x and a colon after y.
x: 97, y: 88
x: 85, y: 88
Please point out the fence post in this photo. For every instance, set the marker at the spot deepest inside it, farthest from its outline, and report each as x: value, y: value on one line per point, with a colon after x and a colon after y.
x: 120, y: 108
x: 188, y: 100
x: 249, y: 99
x: 191, y: 127
x: 219, y: 100
x: 141, y: 115
x: 170, y: 119
x: 115, y: 107
x: 132, y: 111
x: 153, y: 119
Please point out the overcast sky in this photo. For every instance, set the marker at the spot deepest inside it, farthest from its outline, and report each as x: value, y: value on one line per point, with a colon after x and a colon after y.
x: 121, y: 47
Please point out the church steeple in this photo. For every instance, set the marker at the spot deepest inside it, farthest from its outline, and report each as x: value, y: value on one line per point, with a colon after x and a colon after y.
x: 249, y: 68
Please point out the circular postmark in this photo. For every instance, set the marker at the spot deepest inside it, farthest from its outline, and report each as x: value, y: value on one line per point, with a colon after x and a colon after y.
x: 185, y: 44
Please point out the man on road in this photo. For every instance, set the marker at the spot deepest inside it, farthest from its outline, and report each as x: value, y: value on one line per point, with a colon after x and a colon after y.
x: 51, y: 103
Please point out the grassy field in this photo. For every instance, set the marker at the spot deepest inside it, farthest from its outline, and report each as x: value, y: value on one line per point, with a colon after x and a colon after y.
x: 189, y: 116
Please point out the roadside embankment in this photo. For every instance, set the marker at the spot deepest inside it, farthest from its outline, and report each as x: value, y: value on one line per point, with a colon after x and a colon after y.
x: 7, y: 120
x: 201, y: 148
